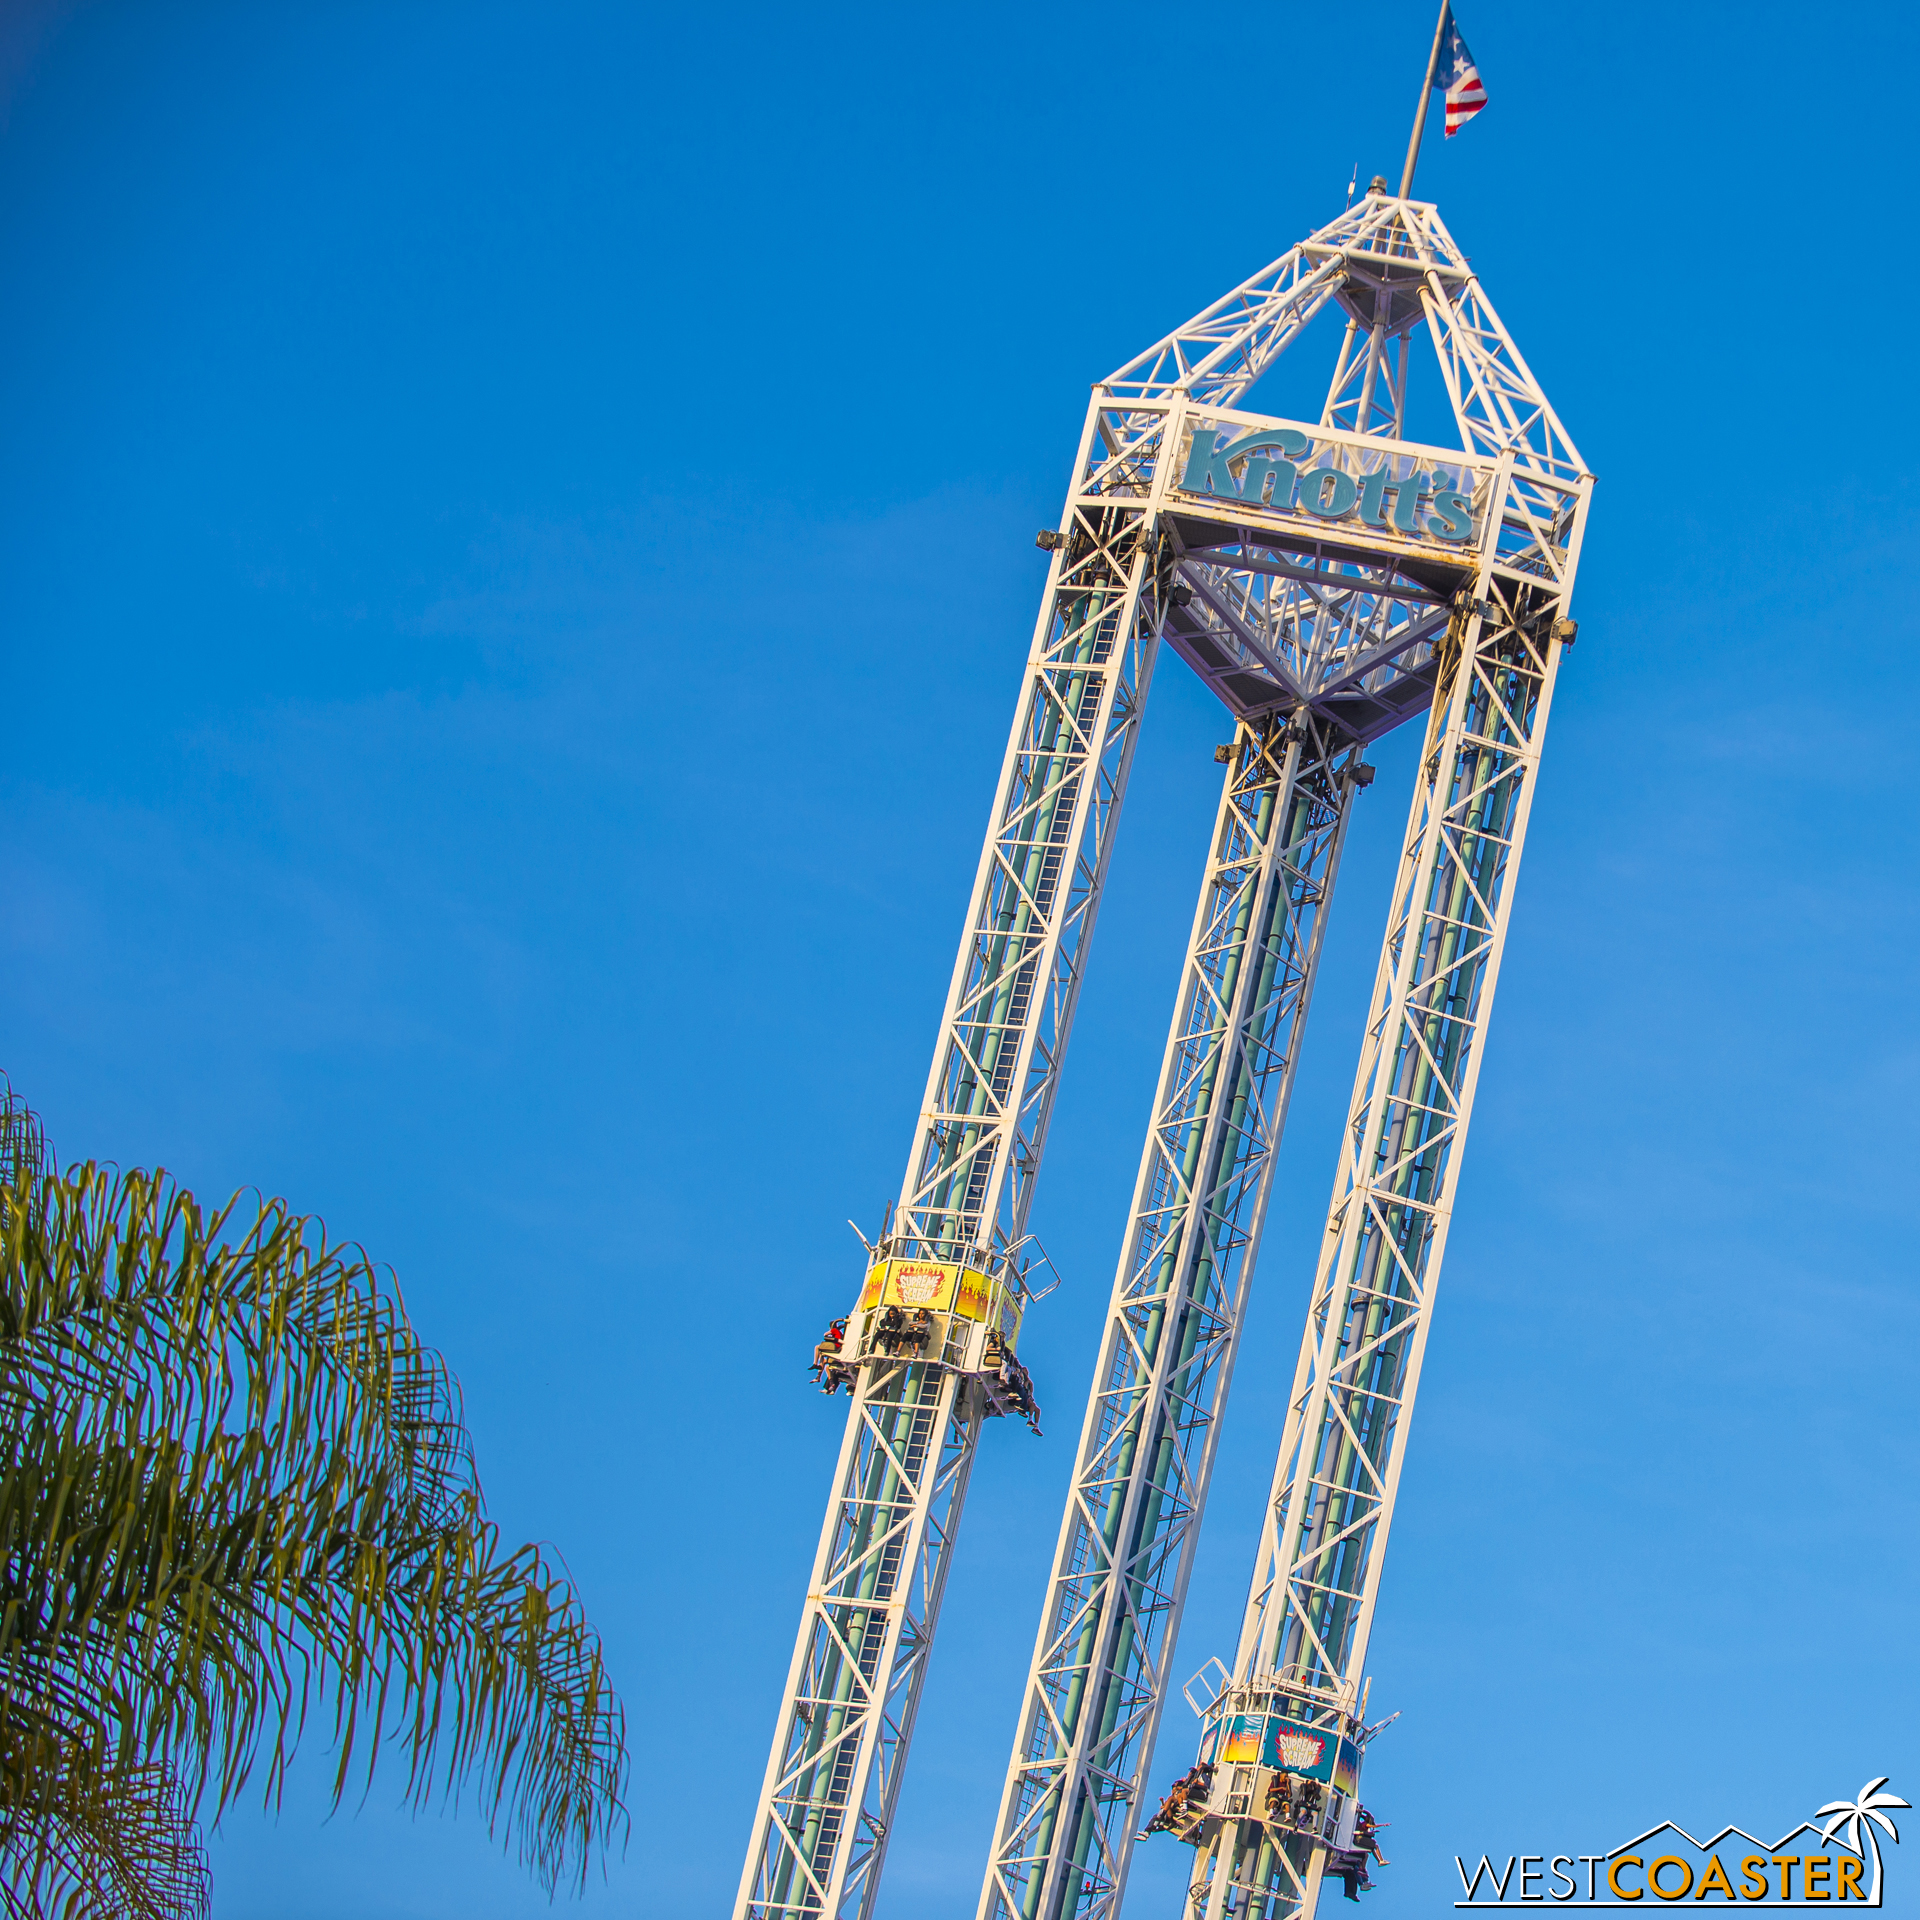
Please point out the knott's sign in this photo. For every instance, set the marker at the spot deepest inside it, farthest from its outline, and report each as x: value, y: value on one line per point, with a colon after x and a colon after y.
x: 1276, y: 468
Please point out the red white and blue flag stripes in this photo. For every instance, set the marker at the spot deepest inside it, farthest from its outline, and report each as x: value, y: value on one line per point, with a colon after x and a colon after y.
x: 1459, y: 78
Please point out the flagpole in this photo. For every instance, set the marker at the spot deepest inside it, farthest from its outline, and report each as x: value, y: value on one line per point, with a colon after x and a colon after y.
x: 1426, y: 92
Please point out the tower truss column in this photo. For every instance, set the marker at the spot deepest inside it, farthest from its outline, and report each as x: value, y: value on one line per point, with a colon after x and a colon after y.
x: 1310, y: 572
x: 1099, y: 1673
x: 1303, y: 1641
x: 845, y: 1722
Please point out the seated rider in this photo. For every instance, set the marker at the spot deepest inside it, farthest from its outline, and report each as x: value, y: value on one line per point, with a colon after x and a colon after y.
x: 828, y: 1368
x: 827, y: 1348
x: 1366, y: 1836
x: 1176, y: 1808
x: 1351, y: 1868
x: 1280, y: 1799
x: 1016, y: 1383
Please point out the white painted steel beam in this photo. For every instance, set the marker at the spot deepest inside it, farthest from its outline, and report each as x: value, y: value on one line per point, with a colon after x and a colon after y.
x: 1279, y: 619
x: 1303, y: 1643
x: 1099, y: 1675
x: 1282, y: 616
x: 845, y: 1723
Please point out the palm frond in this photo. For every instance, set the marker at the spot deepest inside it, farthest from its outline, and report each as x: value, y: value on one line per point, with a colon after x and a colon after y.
x: 122, y: 1842
x: 237, y: 1483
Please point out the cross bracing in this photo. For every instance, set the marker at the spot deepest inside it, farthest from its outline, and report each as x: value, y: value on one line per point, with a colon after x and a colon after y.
x: 1352, y: 627
x: 1017, y: 976
x: 831, y: 1784
x: 1400, y: 248
x: 1303, y: 1642
x: 1321, y: 625
x: 1272, y: 626
x: 1120, y: 1571
x: 865, y: 1640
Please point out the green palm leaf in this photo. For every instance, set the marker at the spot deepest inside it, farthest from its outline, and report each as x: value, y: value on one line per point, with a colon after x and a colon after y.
x: 237, y: 1486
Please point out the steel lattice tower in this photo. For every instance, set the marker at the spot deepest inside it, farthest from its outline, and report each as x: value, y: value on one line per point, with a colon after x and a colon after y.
x: 1328, y: 581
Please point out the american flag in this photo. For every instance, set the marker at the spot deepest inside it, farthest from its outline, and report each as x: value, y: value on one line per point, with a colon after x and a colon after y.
x: 1460, y: 77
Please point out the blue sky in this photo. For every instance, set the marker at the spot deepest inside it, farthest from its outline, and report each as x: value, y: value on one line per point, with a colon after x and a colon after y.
x: 515, y: 552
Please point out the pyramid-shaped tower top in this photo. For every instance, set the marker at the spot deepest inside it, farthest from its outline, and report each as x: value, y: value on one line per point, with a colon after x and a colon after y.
x: 1318, y: 563
x: 1391, y: 265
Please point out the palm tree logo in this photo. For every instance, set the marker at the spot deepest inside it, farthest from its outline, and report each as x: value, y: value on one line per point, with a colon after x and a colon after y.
x: 1859, y: 1816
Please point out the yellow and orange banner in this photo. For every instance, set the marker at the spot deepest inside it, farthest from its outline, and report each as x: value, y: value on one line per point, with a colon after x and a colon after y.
x: 938, y: 1285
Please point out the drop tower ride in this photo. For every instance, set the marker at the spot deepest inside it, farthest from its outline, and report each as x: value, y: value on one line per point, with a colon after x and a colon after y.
x: 1330, y: 581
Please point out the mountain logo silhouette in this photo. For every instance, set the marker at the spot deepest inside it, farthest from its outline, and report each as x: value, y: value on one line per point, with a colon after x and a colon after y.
x: 1841, y: 1867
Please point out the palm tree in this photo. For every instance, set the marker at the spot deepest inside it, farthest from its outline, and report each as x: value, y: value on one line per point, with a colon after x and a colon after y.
x: 236, y: 1487
x: 1860, y: 1816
